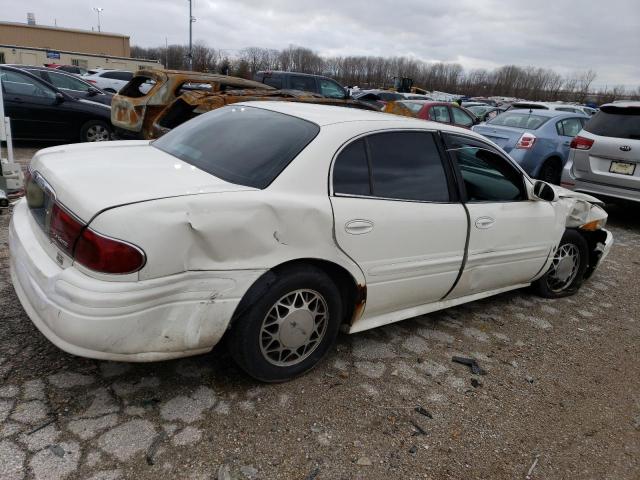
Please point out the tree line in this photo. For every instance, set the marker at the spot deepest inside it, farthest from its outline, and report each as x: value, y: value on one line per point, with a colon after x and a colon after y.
x: 532, y: 83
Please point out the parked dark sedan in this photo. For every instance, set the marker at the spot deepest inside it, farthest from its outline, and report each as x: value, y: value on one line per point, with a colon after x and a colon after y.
x: 69, y: 83
x: 40, y: 111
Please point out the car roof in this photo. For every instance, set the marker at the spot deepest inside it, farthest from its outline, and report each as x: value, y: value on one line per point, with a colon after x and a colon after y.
x: 323, y: 115
x: 622, y: 104
x: 545, y: 113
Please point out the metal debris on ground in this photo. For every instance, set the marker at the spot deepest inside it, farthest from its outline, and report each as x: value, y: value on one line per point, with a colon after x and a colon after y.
x: 57, y: 450
x: 470, y: 362
x: 535, y: 462
x: 422, y: 411
x: 418, y: 429
x: 153, y: 448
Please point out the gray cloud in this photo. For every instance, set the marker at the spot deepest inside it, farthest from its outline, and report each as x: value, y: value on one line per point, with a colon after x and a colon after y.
x: 564, y: 35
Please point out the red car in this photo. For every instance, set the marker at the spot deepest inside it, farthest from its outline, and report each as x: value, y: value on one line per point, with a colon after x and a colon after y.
x: 443, y: 112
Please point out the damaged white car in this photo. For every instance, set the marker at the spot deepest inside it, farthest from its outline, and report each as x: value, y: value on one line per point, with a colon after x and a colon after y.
x: 277, y: 224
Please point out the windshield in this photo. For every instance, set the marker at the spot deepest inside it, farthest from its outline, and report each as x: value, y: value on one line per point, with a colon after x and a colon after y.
x: 415, y: 107
x: 617, y: 122
x: 518, y: 120
x: 243, y: 145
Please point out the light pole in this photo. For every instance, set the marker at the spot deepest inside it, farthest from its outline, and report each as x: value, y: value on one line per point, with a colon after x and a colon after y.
x: 98, y: 9
x: 191, y: 20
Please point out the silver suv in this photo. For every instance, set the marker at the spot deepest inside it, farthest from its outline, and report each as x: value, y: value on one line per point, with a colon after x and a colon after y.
x: 605, y: 155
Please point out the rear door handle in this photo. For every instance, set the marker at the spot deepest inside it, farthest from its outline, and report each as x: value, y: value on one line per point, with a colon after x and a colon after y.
x: 358, y: 226
x: 485, y: 222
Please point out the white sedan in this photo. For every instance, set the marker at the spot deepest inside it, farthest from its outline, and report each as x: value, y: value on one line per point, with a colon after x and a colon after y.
x: 275, y: 224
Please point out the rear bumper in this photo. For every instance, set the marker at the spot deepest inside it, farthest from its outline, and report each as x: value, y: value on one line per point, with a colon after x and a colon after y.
x: 596, y: 189
x: 170, y: 317
x: 602, y: 190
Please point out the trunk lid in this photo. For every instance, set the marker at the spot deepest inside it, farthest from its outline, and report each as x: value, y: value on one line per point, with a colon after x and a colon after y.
x: 505, y: 137
x: 89, y: 178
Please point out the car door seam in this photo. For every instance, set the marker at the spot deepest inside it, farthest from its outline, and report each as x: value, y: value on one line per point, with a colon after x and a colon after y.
x: 465, y: 254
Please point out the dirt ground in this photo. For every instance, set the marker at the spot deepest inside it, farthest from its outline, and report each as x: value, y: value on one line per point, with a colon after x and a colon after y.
x: 560, y: 398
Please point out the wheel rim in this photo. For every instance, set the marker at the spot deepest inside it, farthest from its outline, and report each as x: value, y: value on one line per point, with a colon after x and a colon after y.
x: 294, y: 327
x: 564, y: 267
x: 97, y: 133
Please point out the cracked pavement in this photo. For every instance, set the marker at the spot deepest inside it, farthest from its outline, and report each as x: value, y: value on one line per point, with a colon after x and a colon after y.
x: 562, y: 387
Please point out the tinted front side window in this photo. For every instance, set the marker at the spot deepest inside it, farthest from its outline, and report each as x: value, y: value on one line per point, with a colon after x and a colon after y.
x: 407, y: 166
x: 243, y: 145
x: 351, y: 170
x: 70, y: 83
x: 461, y: 118
x: 331, y: 89
x: 617, y: 122
x: 487, y: 176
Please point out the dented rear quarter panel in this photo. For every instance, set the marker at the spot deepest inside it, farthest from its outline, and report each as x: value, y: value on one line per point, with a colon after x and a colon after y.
x: 253, y: 229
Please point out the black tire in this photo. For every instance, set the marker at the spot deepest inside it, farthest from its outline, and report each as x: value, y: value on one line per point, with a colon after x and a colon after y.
x: 96, y: 131
x: 551, y: 172
x: 550, y: 285
x: 249, y: 344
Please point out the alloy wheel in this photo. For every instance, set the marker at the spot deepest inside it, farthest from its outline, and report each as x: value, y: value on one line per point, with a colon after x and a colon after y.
x: 98, y: 133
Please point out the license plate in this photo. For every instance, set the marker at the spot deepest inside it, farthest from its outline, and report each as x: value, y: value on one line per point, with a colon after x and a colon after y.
x: 623, y: 168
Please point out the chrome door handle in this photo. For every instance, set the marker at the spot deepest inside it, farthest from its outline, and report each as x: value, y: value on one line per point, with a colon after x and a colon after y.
x: 485, y: 222
x: 358, y: 227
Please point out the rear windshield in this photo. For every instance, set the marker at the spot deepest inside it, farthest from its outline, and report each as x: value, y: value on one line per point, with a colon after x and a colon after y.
x: 243, y: 145
x: 618, y: 122
x: 530, y: 106
x: 519, y: 120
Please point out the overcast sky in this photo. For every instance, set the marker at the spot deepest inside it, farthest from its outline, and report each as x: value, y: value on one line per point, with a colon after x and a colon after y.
x: 565, y: 35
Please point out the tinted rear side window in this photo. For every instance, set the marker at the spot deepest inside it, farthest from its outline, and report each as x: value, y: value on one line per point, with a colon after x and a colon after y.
x: 299, y: 82
x: 243, y: 145
x: 618, y: 122
x: 407, y: 166
x: 351, y: 170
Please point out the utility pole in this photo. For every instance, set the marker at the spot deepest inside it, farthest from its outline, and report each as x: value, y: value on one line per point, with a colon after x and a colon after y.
x: 98, y: 9
x: 191, y: 20
x: 166, y: 53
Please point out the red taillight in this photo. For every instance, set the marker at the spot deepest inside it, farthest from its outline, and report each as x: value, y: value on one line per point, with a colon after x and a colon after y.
x: 107, y: 255
x: 64, y: 229
x: 526, y: 141
x: 90, y: 81
x: 581, y: 143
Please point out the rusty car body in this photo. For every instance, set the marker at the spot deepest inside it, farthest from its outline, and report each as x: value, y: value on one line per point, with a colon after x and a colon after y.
x: 135, y: 108
x: 193, y: 103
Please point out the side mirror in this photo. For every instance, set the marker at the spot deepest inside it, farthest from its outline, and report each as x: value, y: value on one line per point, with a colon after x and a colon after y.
x: 59, y: 98
x: 544, y: 191
x: 92, y: 91
x: 347, y: 94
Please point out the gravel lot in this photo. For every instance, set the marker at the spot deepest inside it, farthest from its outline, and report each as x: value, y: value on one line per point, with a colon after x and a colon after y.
x: 562, y: 389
